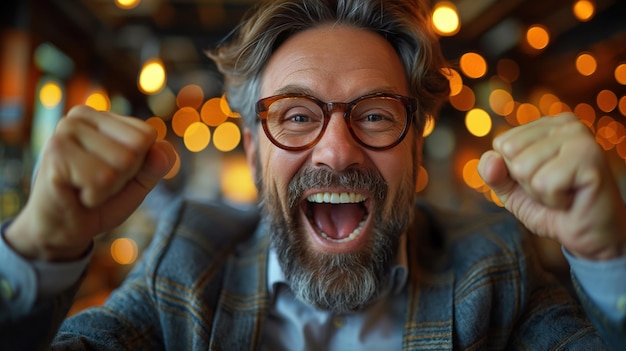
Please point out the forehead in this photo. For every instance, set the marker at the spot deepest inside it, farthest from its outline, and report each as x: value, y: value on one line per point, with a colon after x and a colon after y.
x: 334, y: 63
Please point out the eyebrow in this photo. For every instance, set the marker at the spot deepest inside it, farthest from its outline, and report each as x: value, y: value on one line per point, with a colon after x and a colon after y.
x: 297, y: 89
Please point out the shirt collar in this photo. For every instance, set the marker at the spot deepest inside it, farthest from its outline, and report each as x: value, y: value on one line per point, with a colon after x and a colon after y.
x: 399, y: 271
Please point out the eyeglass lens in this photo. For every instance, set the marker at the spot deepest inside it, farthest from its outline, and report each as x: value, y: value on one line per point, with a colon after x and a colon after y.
x: 299, y: 121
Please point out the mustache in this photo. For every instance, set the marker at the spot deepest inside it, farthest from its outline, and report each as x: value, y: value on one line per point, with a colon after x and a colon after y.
x: 352, y: 179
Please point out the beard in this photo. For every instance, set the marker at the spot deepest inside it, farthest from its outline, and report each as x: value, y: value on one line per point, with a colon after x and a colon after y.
x: 338, y: 281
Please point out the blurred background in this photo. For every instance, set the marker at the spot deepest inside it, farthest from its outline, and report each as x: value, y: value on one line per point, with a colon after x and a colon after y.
x: 513, y: 60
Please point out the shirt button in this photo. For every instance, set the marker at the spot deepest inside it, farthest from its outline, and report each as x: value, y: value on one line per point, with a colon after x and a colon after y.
x: 621, y: 304
x: 6, y: 291
x: 338, y: 322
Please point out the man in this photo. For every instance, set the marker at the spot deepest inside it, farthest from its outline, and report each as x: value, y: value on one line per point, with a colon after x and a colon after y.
x: 335, y: 96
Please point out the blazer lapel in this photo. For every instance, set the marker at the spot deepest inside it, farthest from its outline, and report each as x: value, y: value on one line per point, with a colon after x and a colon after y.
x: 430, y: 309
x: 243, y: 302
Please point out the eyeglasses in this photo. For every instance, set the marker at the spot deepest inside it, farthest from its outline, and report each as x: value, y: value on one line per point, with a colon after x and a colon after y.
x: 296, y: 122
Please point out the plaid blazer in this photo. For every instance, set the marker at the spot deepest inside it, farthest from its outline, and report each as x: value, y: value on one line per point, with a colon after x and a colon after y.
x: 474, y: 285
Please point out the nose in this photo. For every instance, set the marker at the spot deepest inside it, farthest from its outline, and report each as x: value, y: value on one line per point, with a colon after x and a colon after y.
x: 337, y: 149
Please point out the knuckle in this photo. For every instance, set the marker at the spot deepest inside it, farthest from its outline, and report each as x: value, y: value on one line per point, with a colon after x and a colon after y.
x: 520, y: 171
x: 79, y: 110
x: 105, y: 177
x: 126, y: 160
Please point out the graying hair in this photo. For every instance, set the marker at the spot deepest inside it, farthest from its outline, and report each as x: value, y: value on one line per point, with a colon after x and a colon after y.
x: 404, y: 23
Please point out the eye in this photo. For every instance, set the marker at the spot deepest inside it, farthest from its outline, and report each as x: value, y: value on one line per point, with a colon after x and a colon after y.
x: 372, y: 117
x: 298, y: 118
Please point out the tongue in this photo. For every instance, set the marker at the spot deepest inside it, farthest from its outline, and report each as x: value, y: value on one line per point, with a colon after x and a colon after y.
x: 337, y: 221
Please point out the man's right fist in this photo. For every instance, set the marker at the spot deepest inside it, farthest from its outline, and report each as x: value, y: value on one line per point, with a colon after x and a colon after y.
x: 94, y: 171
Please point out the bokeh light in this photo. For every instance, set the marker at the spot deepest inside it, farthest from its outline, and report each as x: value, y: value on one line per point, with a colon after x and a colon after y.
x: 197, y: 137
x: 584, y: 10
x: 538, y: 37
x: 622, y: 105
x: 225, y: 106
x: 50, y: 94
x: 586, y: 64
x: 473, y: 65
x: 124, y: 251
x: 471, y: 176
x: 152, y: 77
x: 606, y: 100
x: 226, y: 136
x: 527, y: 113
x: 173, y: 172
x: 585, y: 114
x: 546, y: 101
x: 478, y: 122
x: 211, y: 112
x: 98, y: 100
x: 501, y: 102
x: 464, y: 100
x: 422, y: 179
x: 127, y: 4
x: 445, y: 18
x: 183, y: 118
x: 159, y: 125
x: 455, y: 80
x: 190, y: 96
x: 237, y: 183
x: 620, y: 74
x: 429, y: 126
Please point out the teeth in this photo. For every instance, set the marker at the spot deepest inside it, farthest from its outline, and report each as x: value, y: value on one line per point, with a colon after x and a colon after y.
x: 337, y: 198
x: 350, y: 237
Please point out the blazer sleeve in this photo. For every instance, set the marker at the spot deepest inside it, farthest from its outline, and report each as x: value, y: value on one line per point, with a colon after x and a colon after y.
x: 612, y: 331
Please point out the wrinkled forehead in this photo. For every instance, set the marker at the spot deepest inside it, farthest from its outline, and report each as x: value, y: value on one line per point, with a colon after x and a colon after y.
x: 341, y: 61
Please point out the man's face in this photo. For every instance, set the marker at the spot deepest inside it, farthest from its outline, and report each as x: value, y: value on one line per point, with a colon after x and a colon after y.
x: 336, y: 255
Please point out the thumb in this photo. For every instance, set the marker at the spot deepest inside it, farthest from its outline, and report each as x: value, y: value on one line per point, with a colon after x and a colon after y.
x: 494, y: 172
x: 159, y: 160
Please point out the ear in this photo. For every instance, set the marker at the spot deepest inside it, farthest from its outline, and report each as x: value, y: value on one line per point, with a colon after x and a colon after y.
x: 250, y: 148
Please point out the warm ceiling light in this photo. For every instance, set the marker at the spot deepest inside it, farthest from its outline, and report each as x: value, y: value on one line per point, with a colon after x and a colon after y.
x: 538, y: 37
x: 584, y: 10
x: 446, y: 19
x: 127, y: 4
x: 152, y: 76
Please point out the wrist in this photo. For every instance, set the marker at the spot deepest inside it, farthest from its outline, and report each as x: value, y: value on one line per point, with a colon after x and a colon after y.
x: 26, y: 239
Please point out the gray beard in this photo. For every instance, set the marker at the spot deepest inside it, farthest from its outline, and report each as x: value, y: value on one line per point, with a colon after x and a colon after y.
x: 331, y: 281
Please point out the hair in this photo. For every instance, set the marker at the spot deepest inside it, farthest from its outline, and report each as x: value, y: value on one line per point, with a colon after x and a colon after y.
x: 242, y: 56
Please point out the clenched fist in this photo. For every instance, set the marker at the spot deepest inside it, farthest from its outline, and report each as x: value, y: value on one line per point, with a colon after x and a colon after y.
x: 95, y: 170
x: 554, y: 178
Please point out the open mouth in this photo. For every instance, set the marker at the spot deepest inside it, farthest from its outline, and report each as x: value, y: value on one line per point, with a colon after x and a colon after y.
x: 337, y: 217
